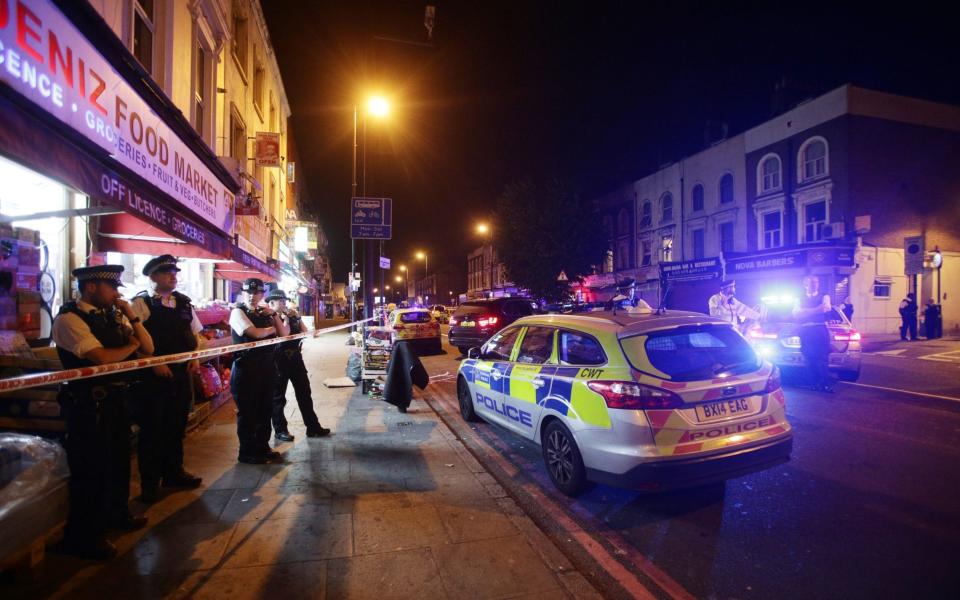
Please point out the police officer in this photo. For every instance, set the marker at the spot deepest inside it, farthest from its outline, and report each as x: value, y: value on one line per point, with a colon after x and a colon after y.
x: 811, y: 313
x: 251, y: 378
x: 290, y: 367
x: 162, y: 403
x: 99, y: 328
x: 725, y: 305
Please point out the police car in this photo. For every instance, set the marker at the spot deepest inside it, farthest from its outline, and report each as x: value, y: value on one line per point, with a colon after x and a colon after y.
x: 417, y: 326
x: 644, y: 401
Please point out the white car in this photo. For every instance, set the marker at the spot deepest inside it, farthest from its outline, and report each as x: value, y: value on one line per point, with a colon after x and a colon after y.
x: 639, y: 400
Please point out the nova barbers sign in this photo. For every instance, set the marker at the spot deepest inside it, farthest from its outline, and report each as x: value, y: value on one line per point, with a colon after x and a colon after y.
x: 44, y: 57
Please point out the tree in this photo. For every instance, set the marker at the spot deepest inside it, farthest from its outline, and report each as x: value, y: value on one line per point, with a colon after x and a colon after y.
x: 543, y: 228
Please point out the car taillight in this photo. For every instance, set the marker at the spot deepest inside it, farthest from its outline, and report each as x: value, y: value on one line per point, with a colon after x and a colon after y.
x: 757, y: 333
x: 485, y: 321
x: 852, y: 336
x: 629, y: 395
x: 773, y: 382
x: 453, y: 321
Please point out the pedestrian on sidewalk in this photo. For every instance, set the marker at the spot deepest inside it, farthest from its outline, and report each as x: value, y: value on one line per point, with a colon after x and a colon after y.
x: 811, y: 313
x: 100, y: 328
x: 908, y: 317
x: 162, y: 400
x: 251, y: 378
x: 931, y: 319
x: 288, y: 360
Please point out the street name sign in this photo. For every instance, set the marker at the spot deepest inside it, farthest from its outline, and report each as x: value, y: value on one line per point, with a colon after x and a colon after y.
x: 371, y: 218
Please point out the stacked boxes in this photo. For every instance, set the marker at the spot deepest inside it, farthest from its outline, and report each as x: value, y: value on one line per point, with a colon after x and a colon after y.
x: 19, y: 280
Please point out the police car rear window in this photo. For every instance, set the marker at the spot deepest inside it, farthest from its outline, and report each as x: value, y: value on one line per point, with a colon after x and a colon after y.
x: 415, y: 317
x: 692, y: 353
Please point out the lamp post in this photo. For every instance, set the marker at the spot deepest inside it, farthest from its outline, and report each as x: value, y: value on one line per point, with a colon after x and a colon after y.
x: 487, y: 232
x: 406, y: 283
x: 426, y: 272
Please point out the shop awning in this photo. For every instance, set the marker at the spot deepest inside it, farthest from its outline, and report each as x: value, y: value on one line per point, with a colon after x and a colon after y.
x: 245, y: 265
x: 128, y: 234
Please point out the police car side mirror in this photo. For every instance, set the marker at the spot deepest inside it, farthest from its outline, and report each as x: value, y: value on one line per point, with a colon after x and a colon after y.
x: 473, y: 353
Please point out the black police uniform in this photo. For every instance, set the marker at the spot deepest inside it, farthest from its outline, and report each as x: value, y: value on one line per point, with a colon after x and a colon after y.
x: 290, y: 367
x: 98, y: 434
x: 815, y: 340
x: 163, y: 404
x: 251, y: 383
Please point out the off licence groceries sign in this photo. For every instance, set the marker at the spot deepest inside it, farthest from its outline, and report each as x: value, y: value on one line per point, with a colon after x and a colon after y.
x: 44, y: 57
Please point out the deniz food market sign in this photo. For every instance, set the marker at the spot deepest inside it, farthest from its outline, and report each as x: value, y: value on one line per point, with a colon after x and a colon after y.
x: 44, y: 57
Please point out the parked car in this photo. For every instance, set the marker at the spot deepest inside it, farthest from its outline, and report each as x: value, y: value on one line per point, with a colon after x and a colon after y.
x: 417, y: 326
x: 475, y: 321
x: 777, y: 339
x: 638, y: 400
x: 440, y: 313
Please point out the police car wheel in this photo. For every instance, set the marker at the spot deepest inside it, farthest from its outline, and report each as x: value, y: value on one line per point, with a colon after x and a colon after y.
x: 563, y: 459
x: 466, y: 402
x: 463, y: 349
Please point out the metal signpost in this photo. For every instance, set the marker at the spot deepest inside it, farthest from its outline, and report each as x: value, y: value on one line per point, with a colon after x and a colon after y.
x: 371, y: 219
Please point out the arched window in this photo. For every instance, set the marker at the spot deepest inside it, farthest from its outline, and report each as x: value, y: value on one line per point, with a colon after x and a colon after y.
x: 696, y: 195
x: 769, y: 176
x: 666, y: 207
x: 813, y: 159
x: 726, y: 189
x: 645, y: 214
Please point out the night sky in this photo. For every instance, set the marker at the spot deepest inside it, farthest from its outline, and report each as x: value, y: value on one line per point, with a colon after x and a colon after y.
x: 602, y: 93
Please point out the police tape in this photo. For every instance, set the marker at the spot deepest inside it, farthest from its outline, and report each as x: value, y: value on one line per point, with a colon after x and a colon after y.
x: 37, y: 379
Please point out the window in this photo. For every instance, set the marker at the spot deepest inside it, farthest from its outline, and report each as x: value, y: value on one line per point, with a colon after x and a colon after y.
x: 537, y: 346
x: 666, y: 207
x: 693, y: 353
x: 238, y: 139
x: 813, y: 159
x: 726, y: 237
x: 646, y: 251
x: 202, y: 104
x: 580, y: 349
x: 420, y: 316
x: 645, y: 214
x: 144, y: 32
x: 772, y: 230
x: 273, y: 114
x: 726, y: 189
x: 698, y: 243
x: 770, y: 174
x: 881, y: 289
x: 623, y: 255
x: 666, y: 248
x: 501, y: 345
x: 240, y: 38
x: 697, y: 197
x: 814, y: 218
x: 258, y: 75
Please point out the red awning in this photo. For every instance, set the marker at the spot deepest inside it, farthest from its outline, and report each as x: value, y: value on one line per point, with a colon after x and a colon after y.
x: 245, y: 265
x: 125, y: 233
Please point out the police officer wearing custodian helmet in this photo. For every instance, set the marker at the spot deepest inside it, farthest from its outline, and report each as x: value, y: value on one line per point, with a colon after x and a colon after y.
x: 98, y: 329
x: 162, y: 403
x: 252, y: 375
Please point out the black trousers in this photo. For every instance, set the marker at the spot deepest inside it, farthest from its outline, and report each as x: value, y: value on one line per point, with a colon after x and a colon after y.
x: 98, y: 453
x: 908, y: 324
x: 161, y: 407
x: 251, y: 383
x: 815, y: 348
x: 290, y: 368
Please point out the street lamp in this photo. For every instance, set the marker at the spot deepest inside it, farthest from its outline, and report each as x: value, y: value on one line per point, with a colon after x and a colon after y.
x: 406, y: 283
x: 426, y: 271
x: 378, y: 107
x: 487, y: 232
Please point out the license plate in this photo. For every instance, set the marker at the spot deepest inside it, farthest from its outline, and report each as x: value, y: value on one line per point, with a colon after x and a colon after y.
x: 468, y: 324
x: 724, y: 409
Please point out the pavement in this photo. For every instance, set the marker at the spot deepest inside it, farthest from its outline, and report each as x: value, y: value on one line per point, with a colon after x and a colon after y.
x: 390, y: 505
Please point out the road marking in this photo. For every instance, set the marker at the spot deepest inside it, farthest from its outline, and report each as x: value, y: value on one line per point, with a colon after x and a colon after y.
x: 890, y: 389
x: 887, y: 352
x: 953, y: 356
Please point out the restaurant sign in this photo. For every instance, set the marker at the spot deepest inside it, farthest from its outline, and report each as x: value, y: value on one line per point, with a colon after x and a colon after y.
x: 44, y: 57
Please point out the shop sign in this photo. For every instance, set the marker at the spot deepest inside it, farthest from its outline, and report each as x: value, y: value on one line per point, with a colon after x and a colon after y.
x: 268, y: 149
x: 780, y: 260
x: 254, y: 236
x: 830, y: 257
x: 247, y: 205
x: 600, y: 280
x: 44, y: 57
x: 691, y: 270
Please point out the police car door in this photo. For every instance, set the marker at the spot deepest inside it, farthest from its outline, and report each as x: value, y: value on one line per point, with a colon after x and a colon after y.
x: 529, y: 379
x: 490, y: 375
x: 580, y: 359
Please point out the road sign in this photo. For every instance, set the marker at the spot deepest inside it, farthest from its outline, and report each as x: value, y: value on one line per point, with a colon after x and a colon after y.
x: 371, y: 218
x: 913, y: 252
x: 384, y: 262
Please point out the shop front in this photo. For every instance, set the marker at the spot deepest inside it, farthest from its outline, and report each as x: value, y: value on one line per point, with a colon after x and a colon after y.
x: 780, y: 273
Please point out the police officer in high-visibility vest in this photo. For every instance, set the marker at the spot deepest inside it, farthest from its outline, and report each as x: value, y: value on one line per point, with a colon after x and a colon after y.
x: 99, y: 328
x: 290, y: 368
x: 252, y: 375
x: 162, y: 403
